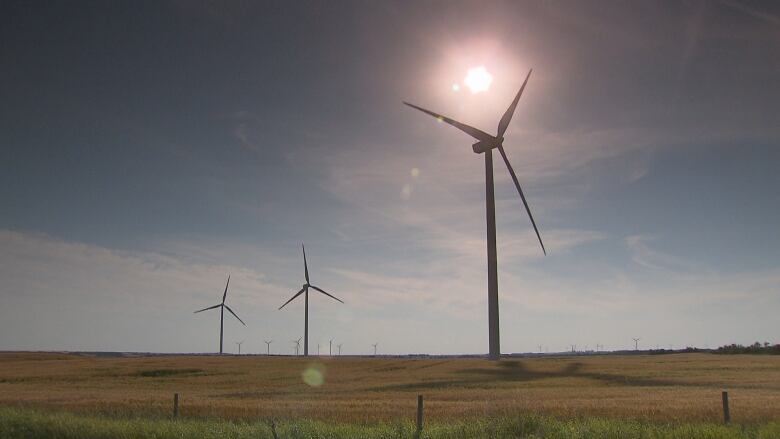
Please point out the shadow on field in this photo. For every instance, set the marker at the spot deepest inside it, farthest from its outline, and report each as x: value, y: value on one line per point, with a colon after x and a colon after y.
x: 516, y: 371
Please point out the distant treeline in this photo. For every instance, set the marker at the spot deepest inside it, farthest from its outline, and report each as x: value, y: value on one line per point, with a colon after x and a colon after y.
x: 755, y: 348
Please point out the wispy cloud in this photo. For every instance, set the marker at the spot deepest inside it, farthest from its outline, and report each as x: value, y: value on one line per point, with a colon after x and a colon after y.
x: 51, y: 282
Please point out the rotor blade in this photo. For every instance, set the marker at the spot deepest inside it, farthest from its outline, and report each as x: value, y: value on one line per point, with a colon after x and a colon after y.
x: 206, y: 309
x: 234, y: 315
x: 502, y: 126
x: 520, y: 191
x: 226, y: 287
x: 305, y: 266
x: 471, y: 131
x: 323, y: 292
x: 293, y: 297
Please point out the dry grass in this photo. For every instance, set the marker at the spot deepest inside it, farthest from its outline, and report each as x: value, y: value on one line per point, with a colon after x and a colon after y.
x: 676, y: 388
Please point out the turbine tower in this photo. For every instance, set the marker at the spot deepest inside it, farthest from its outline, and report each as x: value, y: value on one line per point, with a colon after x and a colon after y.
x: 268, y: 346
x: 305, y: 292
x: 485, y: 145
x: 330, y: 348
x: 339, y: 346
x: 374, y: 345
x: 239, y: 343
x: 636, y: 343
x: 222, y: 307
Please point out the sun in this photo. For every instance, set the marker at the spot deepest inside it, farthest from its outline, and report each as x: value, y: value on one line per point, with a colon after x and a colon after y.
x: 478, y: 79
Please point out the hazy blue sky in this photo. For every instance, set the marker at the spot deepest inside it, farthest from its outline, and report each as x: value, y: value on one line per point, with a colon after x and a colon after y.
x: 149, y: 149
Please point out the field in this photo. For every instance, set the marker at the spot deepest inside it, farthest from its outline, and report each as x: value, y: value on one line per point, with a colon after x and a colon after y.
x: 651, y: 389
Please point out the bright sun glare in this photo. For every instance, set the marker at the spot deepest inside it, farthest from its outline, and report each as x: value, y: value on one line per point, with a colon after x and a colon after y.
x: 478, y: 79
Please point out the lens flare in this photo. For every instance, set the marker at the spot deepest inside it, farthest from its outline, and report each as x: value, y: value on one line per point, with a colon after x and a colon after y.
x: 406, y: 192
x: 314, y: 375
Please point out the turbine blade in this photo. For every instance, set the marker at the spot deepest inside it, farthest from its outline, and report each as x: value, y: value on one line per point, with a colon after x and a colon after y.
x: 471, y: 131
x: 293, y: 297
x: 520, y: 191
x: 206, y: 309
x: 504, y: 123
x: 226, y: 287
x: 234, y: 315
x: 305, y: 266
x: 323, y: 292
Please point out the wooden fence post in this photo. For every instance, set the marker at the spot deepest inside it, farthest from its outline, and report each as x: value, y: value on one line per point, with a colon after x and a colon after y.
x: 175, y: 405
x: 726, y: 414
x: 419, y: 412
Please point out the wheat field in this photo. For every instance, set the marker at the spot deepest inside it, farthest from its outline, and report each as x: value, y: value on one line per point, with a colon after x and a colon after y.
x: 665, y: 388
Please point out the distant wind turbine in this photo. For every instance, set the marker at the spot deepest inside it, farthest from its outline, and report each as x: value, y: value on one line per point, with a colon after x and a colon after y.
x: 305, y: 291
x: 374, y: 345
x: 222, y: 307
x: 330, y: 348
x: 239, y: 343
x: 297, y: 345
x: 339, y: 346
x: 268, y: 346
x: 485, y: 144
x: 636, y: 343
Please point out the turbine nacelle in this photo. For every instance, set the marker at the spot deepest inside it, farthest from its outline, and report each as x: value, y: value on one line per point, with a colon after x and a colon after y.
x: 483, y: 146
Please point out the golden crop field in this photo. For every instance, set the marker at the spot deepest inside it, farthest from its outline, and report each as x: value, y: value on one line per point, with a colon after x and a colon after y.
x: 676, y: 387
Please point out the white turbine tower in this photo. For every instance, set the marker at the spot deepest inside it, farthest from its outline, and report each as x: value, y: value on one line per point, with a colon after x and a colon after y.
x: 222, y: 308
x: 305, y: 291
x: 485, y: 145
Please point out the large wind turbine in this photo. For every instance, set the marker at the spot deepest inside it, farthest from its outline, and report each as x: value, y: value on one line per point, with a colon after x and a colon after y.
x: 222, y: 307
x: 305, y: 292
x: 486, y: 143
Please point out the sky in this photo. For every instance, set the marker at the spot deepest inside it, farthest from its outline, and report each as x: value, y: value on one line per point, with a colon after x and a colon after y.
x: 150, y: 149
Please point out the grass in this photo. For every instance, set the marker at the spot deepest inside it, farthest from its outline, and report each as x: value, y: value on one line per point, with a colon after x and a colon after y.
x: 168, y: 372
x: 30, y: 424
x: 658, y: 389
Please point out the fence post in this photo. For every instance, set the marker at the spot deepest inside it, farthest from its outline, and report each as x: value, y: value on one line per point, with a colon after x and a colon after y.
x: 175, y: 405
x: 419, y: 412
x: 726, y: 414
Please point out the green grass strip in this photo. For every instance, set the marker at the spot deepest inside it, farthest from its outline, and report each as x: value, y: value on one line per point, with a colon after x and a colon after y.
x: 34, y: 424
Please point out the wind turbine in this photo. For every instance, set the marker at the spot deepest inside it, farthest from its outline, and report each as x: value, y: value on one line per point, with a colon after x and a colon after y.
x: 297, y: 345
x: 222, y: 307
x: 485, y: 144
x: 305, y: 291
x: 636, y: 343
x: 268, y: 346
x: 374, y: 345
x: 339, y: 346
x: 239, y: 343
x: 330, y: 348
